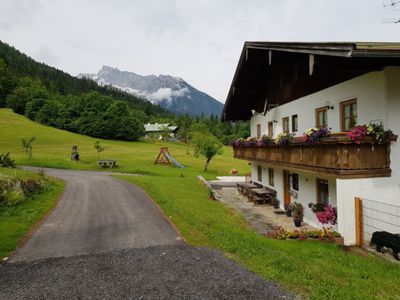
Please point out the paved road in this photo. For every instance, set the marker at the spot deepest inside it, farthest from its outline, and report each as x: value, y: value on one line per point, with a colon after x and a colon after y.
x: 97, y: 213
x: 157, y: 272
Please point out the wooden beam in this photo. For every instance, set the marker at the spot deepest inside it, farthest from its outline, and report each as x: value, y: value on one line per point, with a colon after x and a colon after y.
x: 359, y: 225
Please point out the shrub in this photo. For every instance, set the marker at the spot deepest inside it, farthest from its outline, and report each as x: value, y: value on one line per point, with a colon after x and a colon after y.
x: 30, y: 185
x: 13, y: 197
x: 6, y: 161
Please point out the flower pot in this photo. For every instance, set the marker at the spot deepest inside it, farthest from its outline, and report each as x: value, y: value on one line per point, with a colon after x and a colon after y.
x: 339, y: 241
x: 288, y: 213
x: 297, y: 223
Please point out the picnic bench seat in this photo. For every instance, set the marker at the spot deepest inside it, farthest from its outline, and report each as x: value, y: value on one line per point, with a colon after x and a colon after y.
x: 264, y: 195
x: 107, y: 163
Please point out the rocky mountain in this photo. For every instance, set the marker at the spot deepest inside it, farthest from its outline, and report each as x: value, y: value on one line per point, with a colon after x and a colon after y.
x: 171, y: 93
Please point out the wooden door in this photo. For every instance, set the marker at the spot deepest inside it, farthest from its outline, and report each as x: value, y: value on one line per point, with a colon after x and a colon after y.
x: 286, y: 187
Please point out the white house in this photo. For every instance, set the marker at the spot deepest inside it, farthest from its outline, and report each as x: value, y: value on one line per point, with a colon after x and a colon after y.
x: 157, y: 130
x: 290, y: 87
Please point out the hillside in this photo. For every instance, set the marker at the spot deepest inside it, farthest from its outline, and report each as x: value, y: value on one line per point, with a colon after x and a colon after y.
x: 52, y: 148
x: 57, y: 81
x: 171, y: 93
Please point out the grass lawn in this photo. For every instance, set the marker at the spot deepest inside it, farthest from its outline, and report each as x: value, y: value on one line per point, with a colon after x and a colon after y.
x: 15, y: 222
x: 311, y: 269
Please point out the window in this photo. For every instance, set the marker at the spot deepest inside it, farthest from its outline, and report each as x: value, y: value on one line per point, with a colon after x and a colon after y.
x: 285, y: 124
x: 348, y: 113
x: 295, y: 126
x: 258, y: 131
x: 270, y: 129
x: 322, y: 191
x: 259, y: 173
x: 321, y: 117
x: 294, y: 180
x: 271, y: 176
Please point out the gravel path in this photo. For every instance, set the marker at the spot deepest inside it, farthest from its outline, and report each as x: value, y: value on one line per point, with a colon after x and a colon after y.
x: 157, y: 272
x: 97, y: 213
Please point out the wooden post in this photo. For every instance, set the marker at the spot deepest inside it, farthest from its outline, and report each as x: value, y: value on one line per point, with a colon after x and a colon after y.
x: 359, y: 225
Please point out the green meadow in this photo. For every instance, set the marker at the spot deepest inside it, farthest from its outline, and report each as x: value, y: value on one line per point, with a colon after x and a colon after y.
x: 15, y: 222
x: 310, y: 269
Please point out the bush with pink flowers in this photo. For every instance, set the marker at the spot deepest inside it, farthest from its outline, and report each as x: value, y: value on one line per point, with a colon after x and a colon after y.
x: 328, y: 215
x: 358, y: 133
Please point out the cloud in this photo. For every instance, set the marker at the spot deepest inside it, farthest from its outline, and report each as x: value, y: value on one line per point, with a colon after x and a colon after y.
x: 166, y: 94
x: 199, y: 41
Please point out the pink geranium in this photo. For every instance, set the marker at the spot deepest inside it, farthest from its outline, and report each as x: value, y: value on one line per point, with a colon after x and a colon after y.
x: 328, y: 215
x: 358, y: 133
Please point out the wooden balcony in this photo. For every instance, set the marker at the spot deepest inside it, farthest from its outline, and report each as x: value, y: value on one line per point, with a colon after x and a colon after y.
x: 335, y: 155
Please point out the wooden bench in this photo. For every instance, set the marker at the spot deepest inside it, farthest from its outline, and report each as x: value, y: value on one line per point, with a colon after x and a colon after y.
x: 107, y: 163
x: 244, y: 187
x: 264, y: 195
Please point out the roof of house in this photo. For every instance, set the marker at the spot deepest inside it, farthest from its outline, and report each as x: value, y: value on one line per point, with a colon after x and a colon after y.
x: 156, y: 127
x: 274, y: 73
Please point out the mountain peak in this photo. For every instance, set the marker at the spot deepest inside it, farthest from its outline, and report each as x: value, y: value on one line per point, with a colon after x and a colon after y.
x: 172, y: 93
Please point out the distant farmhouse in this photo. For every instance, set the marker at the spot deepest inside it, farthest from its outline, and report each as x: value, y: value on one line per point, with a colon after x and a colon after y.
x: 159, y: 131
x: 285, y: 89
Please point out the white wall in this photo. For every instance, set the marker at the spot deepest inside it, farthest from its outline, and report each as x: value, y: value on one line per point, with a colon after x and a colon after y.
x: 369, y: 89
x: 378, y: 97
x: 307, y: 189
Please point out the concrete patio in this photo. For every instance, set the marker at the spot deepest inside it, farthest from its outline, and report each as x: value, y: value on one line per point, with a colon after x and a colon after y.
x: 262, y: 218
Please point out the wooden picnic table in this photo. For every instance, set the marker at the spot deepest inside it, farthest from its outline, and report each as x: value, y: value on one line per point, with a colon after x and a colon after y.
x: 110, y: 163
x: 260, y: 195
x: 244, y: 187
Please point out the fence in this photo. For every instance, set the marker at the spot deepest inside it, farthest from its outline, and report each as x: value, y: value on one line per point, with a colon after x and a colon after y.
x: 374, y: 216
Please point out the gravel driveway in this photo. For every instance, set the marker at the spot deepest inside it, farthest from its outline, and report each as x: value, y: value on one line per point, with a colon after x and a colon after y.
x: 158, y: 272
x: 97, y: 213
x: 107, y: 240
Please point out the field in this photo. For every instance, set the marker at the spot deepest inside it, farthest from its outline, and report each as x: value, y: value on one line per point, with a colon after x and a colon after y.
x: 15, y: 222
x: 311, y: 269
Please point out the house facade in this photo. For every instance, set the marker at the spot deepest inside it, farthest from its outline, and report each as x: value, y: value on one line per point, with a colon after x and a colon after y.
x: 291, y: 87
x: 157, y: 130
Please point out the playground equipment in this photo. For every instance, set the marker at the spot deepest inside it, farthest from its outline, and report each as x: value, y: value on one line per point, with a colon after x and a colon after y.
x: 164, y: 157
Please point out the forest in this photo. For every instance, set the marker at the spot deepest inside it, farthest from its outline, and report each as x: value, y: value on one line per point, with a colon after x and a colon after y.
x: 52, y: 97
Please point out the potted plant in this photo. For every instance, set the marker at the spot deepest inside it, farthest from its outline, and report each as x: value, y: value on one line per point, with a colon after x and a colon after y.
x: 211, y: 194
x: 288, y: 209
x: 297, y: 213
x: 275, y: 203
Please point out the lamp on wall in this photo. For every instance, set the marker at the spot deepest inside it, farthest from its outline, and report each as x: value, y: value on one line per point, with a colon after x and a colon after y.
x: 328, y: 105
x: 274, y: 121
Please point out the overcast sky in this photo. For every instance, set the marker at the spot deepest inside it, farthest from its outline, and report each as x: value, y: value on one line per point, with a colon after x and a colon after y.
x: 198, y: 40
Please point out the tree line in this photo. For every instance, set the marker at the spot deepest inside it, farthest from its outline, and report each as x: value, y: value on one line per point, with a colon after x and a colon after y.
x: 55, y: 98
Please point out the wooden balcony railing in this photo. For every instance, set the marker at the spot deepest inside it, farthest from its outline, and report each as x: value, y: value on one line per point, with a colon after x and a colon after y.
x: 335, y: 155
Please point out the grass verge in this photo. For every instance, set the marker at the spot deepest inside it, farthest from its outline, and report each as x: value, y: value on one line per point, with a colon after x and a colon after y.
x: 15, y: 222
x: 312, y: 269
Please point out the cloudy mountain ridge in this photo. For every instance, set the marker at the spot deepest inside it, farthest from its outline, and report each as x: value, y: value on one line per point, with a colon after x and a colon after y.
x: 172, y: 93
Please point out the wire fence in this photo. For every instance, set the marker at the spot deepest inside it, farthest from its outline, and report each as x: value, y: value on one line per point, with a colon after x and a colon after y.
x: 378, y: 216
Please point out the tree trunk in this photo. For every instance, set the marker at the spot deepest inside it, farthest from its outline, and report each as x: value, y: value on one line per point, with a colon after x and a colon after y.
x: 206, y: 165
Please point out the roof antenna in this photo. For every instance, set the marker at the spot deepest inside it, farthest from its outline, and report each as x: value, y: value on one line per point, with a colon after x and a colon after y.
x: 392, y: 4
